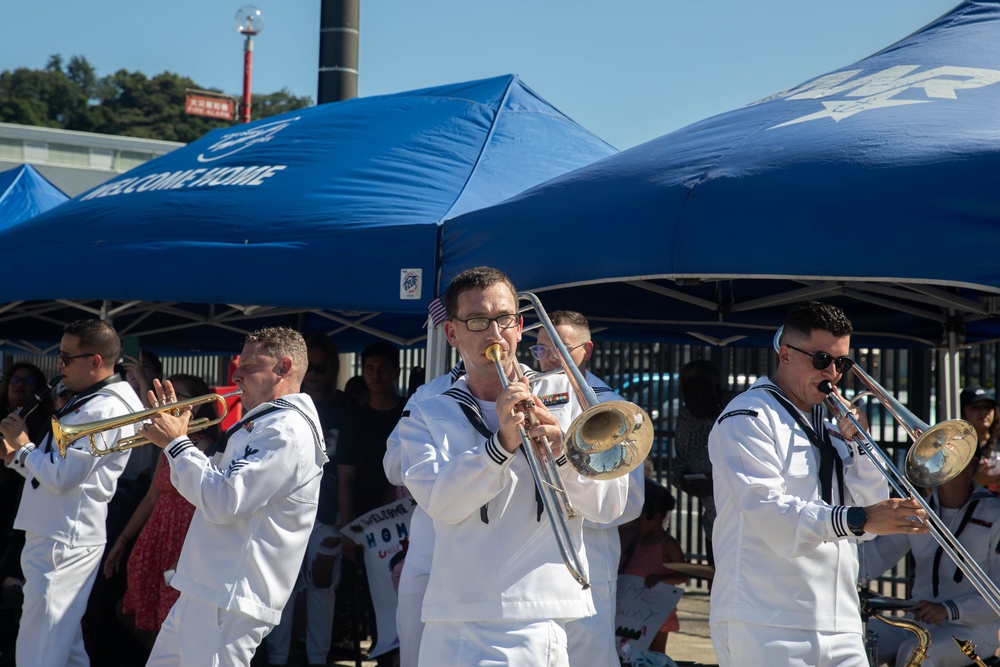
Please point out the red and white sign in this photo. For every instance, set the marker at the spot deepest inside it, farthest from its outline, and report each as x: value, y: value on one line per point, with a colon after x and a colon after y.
x: 213, y: 107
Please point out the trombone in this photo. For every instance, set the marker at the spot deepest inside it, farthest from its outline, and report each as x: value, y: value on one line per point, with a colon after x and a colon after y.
x: 938, y: 454
x: 63, y: 435
x: 605, y: 441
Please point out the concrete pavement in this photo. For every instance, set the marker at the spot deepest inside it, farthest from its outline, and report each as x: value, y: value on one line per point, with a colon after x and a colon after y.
x: 692, y: 645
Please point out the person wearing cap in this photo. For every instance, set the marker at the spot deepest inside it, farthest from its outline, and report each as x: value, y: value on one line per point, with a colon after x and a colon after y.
x: 979, y: 408
x: 947, y: 603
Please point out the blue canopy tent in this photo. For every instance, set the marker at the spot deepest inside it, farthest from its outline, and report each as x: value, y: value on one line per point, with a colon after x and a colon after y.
x: 24, y: 193
x: 325, y: 219
x: 873, y: 186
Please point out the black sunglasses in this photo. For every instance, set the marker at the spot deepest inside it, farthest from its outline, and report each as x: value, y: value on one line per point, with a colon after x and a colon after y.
x: 822, y: 360
x: 66, y: 358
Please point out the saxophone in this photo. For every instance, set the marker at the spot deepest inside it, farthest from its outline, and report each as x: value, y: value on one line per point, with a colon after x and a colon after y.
x: 969, y: 649
x: 919, y: 651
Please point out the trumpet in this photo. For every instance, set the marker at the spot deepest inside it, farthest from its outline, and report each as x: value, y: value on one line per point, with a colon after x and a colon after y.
x: 605, y: 441
x: 63, y: 435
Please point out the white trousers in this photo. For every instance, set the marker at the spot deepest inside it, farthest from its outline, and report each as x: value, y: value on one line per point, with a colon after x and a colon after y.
x: 748, y: 645
x: 321, y: 600
x: 409, y: 627
x: 58, y: 581
x: 592, y: 639
x: 508, y: 643
x: 199, y: 634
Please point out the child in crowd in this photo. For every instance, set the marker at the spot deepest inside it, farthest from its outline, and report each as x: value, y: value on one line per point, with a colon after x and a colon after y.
x: 650, y: 548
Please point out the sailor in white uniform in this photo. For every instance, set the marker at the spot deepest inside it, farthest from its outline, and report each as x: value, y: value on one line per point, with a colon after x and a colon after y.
x: 65, y: 502
x: 254, y: 512
x: 499, y: 592
x: 592, y: 639
x: 793, y: 493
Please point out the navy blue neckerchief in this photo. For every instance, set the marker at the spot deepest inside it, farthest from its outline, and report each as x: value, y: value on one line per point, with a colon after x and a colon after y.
x: 220, y: 444
x: 970, y: 507
x: 275, y: 405
x: 472, y: 411
x: 77, y: 401
x: 829, y: 457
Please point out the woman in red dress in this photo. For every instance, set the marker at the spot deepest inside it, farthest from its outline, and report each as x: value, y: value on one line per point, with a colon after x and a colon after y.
x: 161, y: 522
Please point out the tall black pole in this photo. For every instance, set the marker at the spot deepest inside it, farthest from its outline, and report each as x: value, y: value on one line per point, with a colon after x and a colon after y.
x: 339, y: 36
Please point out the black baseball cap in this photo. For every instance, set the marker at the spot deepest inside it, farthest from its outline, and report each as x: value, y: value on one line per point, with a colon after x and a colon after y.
x: 976, y: 394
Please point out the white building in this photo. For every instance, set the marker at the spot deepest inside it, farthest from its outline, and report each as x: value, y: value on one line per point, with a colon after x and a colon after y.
x: 75, y: 161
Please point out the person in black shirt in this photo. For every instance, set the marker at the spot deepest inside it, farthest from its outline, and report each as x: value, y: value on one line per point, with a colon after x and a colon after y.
x: 363, y: 484
x: 320, y: 573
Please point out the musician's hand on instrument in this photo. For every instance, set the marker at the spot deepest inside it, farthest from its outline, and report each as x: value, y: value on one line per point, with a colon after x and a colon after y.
x: 547, y: 426
x: 8, y: 452
x: 930, y: 612
x: 163, y: 427
x: 895, y: 516
x: 162, y: 393
x: 846, y: 426
x: 14, y: 432
x: 511, y: 414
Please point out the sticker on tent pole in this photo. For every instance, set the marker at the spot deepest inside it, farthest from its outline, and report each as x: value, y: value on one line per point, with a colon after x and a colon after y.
x: 411, y: 283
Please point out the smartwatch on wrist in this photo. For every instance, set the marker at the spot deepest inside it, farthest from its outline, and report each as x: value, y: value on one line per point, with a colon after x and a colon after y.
x: 856, y: 520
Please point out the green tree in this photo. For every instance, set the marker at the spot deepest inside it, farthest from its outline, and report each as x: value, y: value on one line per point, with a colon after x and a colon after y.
x: 71, y: 96
x: 264, y: 106
x: 48, y: 96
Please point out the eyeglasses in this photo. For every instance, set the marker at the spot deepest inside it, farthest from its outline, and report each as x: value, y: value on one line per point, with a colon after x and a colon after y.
x: 505, y: 321
x: 66, y: 358
x: 539, y: 352
x: 24, y: 379
x: 822, y: 360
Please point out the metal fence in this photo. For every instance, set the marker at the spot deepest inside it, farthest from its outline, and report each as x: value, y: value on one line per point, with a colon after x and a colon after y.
x: 647, y: 374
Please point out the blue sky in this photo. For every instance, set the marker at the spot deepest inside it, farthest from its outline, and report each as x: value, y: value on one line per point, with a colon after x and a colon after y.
x: 628, y: 70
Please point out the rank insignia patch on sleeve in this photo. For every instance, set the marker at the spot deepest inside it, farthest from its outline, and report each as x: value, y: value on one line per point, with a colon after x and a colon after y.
x: 749, y: 413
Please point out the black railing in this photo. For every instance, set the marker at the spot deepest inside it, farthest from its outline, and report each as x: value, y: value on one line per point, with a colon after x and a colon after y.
x: 646, y: 374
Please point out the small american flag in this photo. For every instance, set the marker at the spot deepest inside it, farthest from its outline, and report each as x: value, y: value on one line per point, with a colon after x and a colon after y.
x: 437, y: 311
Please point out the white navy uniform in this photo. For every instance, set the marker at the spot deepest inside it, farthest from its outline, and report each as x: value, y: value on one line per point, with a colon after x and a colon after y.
x: 483, y: 498
x: 417, y: 566
x: 254, y: 513
x: 591, y: 639
x: 784, y: 558
x: 977, y: 526
x: 63, y: 511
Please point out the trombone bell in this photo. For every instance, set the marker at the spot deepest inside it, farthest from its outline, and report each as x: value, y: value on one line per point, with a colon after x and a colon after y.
x: 940, y: 453
x: 609, y: 440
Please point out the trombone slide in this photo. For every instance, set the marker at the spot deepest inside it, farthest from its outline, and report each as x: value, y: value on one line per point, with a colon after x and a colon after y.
x: 548, y: 481
x: 905, y: 488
